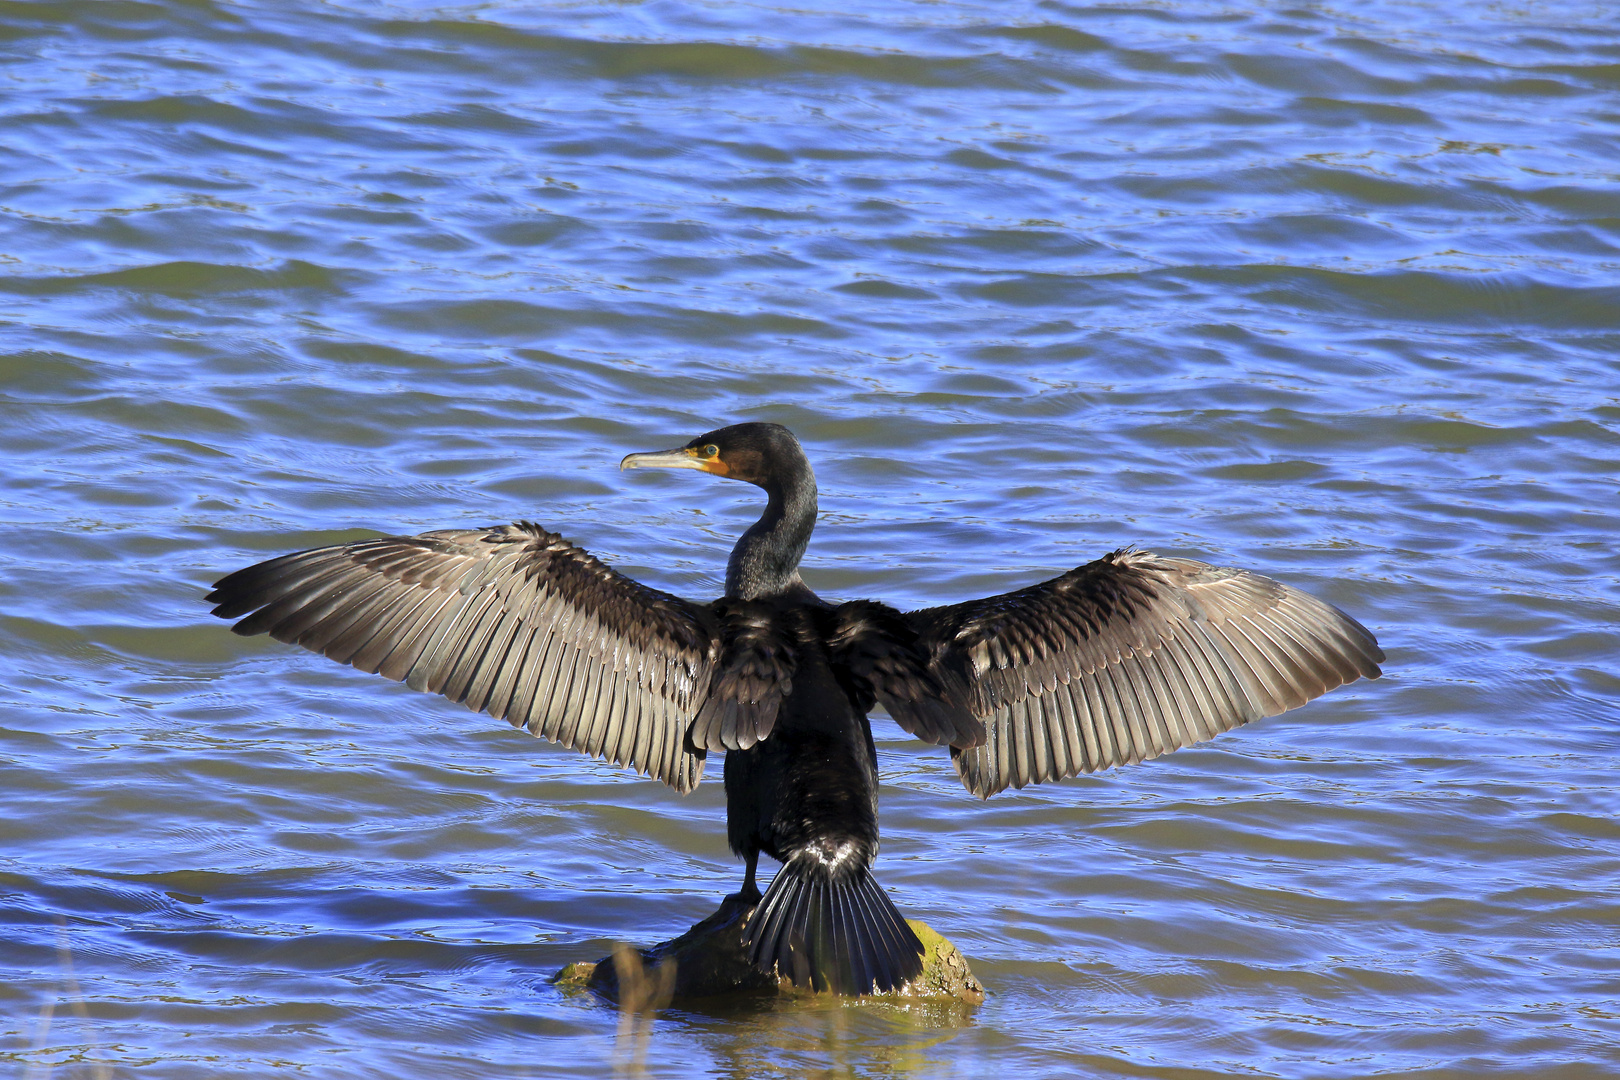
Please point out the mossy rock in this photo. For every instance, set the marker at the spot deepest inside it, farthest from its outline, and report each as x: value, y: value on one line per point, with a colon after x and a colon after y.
x: 709, y: 961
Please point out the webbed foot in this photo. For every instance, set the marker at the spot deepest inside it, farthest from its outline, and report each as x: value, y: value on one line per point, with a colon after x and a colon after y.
x: 749, y: 895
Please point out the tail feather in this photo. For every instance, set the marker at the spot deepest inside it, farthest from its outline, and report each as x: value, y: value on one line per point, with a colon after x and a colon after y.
x: 845, y: 936
x: 872, y: 944
x: 887, y: 931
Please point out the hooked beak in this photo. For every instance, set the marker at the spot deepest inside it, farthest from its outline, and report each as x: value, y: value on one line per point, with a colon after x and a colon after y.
x: 681, y: 458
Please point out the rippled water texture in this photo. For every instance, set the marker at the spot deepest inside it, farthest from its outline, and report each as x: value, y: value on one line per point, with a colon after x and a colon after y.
x: 1326, y: 290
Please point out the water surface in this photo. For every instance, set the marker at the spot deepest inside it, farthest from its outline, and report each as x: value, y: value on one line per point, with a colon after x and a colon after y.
x: 1327, y: 291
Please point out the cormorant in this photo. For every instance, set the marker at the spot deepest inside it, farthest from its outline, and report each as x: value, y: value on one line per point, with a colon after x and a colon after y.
x: 1116, y: 661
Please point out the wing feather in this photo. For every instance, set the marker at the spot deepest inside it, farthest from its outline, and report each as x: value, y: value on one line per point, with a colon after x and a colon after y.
x: 361, y: 604
x: 1165, y: 710
x: 512, y: 620
x: 374, y: 651
x: 417, y: 631
x: 556, y: 672
x: 462, y: 660
x: 504, y: 686
x: 1117, y: 708
x: 481, y: 686
x: 1127, y: 658
x: 1102, y: 724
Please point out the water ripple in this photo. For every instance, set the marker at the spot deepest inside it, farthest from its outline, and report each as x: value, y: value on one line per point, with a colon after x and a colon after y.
x: 1325, y: 291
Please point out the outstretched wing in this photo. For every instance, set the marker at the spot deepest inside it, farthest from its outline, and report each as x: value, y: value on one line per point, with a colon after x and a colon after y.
x: 512, y: 620
x: 1130, y: 657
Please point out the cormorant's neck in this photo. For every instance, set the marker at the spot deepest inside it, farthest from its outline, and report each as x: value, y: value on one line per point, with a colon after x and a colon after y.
x: 765, y: 561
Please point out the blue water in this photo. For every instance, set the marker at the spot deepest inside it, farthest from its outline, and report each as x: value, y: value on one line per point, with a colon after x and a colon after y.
x: 1325, y: 291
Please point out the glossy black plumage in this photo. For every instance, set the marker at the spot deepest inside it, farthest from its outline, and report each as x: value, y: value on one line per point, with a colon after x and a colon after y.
x: 1116, y: 661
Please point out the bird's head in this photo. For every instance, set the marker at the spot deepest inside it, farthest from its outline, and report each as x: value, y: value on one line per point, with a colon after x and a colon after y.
x: 764, y: 454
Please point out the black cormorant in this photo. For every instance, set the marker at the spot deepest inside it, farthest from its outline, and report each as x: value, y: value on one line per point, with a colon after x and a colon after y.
x: 1120, y: 660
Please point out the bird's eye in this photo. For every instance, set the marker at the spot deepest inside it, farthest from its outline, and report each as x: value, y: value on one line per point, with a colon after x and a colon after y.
x: 711, y: 451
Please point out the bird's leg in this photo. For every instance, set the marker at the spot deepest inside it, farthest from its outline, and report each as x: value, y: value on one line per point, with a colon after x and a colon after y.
x: 749, y: 893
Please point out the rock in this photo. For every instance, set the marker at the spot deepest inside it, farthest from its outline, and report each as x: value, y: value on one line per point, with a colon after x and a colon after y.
x: 708, y: 961
x: 945, y: 971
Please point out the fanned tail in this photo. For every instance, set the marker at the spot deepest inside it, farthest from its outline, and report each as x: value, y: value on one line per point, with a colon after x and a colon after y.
x: 826, y: 933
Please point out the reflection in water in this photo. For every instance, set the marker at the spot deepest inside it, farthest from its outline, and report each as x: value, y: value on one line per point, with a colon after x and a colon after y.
x: 822, y: 1036
x: 641, y: 996
x: 75, y: 1043
x: 767, y: 1035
